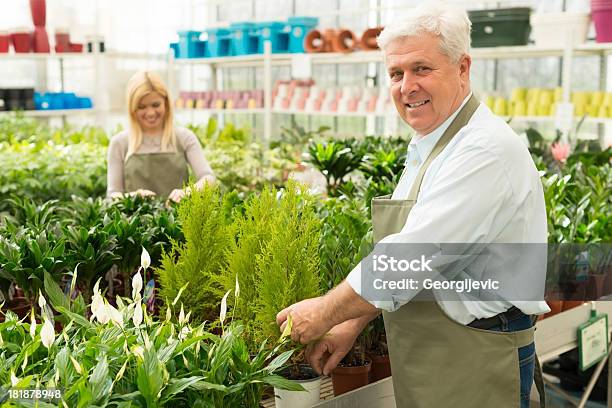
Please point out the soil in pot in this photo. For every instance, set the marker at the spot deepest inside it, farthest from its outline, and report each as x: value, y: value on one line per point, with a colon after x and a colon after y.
x: 381, y: 366
x: 309, y: 379
x: 348, y: 377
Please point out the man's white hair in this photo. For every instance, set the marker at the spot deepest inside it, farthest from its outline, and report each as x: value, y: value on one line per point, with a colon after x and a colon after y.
x: 450, y: 24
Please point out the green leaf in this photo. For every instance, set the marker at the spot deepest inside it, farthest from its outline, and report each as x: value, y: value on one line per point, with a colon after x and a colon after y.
x: 282, y: 383
x: 178, y: 385
x: 54, y: 293
x: 279, y: 361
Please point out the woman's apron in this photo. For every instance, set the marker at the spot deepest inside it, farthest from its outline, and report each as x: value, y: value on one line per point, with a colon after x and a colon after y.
x: 158, y: 172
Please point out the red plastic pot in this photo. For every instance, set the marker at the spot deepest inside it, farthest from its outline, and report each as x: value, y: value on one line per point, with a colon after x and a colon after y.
x: 76, y: 47
x: 39, y: 12
x: 22, y: 42
x: 5, y: 41
x: 41, y: 40
x: 603, y: 24
x: 62, y: 41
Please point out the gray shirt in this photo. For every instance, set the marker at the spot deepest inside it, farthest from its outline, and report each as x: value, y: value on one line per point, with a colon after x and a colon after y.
x: 117, y: 152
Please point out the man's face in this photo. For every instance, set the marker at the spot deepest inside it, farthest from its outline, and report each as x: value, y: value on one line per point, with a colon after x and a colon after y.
x: 426, y: 86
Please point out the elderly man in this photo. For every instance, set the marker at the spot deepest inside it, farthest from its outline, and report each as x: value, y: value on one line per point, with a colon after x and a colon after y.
x: 468, y: 179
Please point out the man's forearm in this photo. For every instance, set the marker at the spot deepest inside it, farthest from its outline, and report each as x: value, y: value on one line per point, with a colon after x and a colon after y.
x: 342, y: 304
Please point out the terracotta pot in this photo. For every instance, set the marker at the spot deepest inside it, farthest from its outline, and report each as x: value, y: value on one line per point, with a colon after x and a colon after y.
x: 368, y: 39
x: 345, y: 379
x: 344, y: 41
x: 556, y: 306
x: 39, y: 12
x: 381, y: 367
x: 20, y: 306
x: 314, y: 42
x: 570, y: 304
x: 595, y: 286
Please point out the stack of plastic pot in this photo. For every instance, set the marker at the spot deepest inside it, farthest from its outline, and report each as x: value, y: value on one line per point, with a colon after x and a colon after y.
x: 601, y: 13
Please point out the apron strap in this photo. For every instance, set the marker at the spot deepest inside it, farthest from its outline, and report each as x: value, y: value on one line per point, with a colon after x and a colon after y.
x: 462, y: 118
x: 539, y: 382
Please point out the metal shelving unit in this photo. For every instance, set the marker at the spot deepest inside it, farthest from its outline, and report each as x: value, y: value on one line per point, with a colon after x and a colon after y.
x: 266, y: 61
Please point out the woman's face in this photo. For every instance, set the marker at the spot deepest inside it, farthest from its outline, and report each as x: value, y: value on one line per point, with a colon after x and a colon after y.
x: 151, y: 112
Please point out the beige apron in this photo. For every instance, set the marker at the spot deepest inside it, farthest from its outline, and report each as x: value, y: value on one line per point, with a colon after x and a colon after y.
x: 158, y: 172
x: 437, y: 362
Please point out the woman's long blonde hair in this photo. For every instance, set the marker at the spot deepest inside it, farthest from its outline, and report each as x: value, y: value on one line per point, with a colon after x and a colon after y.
x: 140, y: 85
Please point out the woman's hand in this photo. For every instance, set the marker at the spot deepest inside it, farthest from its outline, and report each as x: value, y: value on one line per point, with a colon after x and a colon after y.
x: 177, y: 194
x: 143, y: 193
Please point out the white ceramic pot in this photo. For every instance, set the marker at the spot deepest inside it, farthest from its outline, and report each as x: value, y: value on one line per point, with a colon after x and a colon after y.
x: 299, y: 399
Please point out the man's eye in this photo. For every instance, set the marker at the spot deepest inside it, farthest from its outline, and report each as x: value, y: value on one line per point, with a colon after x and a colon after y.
x: 395, y: 76
x: 422, y: 69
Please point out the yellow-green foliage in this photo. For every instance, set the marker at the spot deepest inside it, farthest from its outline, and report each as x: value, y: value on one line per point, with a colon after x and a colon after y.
x: 200, y: 260
x: 287, y: 268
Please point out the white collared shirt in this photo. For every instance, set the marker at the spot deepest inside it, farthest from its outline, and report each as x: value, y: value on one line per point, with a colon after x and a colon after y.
x: 482, y: 188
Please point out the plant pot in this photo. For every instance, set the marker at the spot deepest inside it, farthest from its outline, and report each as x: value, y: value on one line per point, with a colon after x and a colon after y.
x: 22, y: 42
x: 300, y: 399
x: 345, y: 379
x: 39, y: 12
x: 381, y: 367
x: 41, y: 40
x: 595, y: 287
x: 20, y: 306
x: 5, y: 42
x: 570, y: 304
x: 556, y: 306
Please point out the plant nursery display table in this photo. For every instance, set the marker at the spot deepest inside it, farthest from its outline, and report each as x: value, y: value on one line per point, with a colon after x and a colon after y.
x: 554, y: 335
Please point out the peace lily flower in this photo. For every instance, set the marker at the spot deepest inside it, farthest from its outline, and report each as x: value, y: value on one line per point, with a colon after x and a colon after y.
x: 99, y: 310
x: 115, y: 315
x: 137, y: 317
x: 136, y: 284
x: 181, y: 318
x: 41, y: 300
x: 47, y: 334
x: 76, y: 365
x: 168, y: 314
x: 14, y: 379
x: 224, y: 307
x: 32, y: 324
x: 184, y: 332
x: 237, y: 290
x: 138, y: 351
x: 145, y: 259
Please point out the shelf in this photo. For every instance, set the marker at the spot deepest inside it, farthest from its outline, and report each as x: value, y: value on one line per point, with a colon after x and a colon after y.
x: 336, y: 114
x: 51, y: 112
x: 217, y: 111
x: 360, y: 57
x: 284, y: 112
x: 551, y: 119
x: 75, y: 55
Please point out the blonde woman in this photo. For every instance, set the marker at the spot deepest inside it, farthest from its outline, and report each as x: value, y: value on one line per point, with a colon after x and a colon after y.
x: 151, y: 158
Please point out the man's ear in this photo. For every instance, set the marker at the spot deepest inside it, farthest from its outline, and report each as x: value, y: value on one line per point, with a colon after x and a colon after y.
x: 465, y: 63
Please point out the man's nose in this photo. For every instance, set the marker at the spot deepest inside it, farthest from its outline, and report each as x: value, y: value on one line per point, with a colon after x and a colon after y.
x: 409, y: 84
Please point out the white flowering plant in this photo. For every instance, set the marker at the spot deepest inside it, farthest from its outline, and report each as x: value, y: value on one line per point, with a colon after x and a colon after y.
x: 122, y: 356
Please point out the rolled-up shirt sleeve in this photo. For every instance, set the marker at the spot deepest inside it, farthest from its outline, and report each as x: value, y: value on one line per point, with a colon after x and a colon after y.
x: 468, y: 200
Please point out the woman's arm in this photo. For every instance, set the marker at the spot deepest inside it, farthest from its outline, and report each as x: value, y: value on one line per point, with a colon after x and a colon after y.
x: 195, y: 158
x: 114, y: 173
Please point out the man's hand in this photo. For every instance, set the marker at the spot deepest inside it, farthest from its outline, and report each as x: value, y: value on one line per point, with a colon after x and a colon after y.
x: 309, y: 319
x: 325, y: 354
